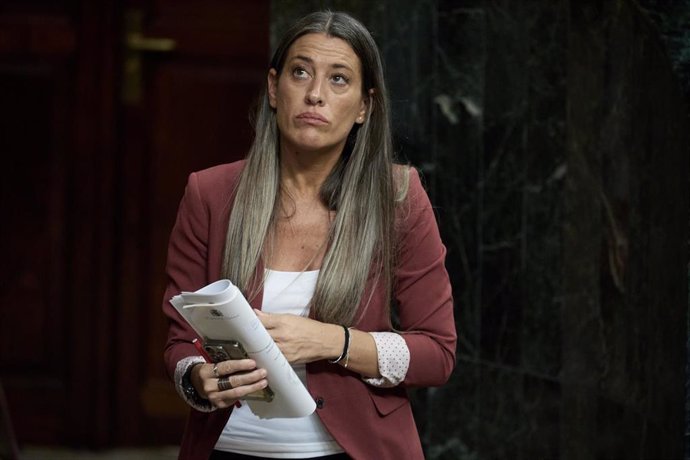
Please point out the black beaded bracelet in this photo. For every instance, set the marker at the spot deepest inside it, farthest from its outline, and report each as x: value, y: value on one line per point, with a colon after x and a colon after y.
x: 346, y: 347
x: 191, y: 393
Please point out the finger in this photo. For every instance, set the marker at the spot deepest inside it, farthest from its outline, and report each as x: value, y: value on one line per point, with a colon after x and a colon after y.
x: 231, y: 382
x: 247, y: 378
x: 225, y: 399
x: 239, y: 380
x: 244, y: 390
x: 206, y: 372
x: 265, y: 318
x: 231, y: 366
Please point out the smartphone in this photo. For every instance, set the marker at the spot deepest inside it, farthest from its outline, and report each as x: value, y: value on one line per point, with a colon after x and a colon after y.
x: 223, y: 350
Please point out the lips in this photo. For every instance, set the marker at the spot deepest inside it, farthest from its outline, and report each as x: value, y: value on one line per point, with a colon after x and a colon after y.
x: 312, y: 118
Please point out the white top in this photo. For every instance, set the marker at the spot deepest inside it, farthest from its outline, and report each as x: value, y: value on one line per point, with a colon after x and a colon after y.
x: 290, y: 292
x: 304, y: 437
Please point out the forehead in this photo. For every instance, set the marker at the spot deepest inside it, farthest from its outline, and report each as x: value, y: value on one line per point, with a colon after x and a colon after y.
x: 324, y: 49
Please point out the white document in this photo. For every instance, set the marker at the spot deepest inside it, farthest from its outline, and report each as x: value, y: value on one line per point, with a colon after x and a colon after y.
x: 219, y: 311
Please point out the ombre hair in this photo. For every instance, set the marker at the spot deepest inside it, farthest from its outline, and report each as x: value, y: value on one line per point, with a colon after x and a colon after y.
x: 360, y: 188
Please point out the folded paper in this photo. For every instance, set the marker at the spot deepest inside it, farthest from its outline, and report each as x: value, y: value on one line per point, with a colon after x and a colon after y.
x: 219, y: 311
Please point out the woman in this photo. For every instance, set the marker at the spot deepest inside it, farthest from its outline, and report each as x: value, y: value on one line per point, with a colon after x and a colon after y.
x: 322, y: 233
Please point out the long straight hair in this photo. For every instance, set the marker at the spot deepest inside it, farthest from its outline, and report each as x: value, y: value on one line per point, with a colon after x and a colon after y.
x: 360, y: 188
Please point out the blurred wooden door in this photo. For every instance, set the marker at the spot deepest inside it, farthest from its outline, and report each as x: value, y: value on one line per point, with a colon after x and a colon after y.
x: 99, y: 127
x: 187, y: 89
x: 56, y: 278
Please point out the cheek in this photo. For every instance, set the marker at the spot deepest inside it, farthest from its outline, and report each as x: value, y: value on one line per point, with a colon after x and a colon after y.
x: 287, y: 103
x: 352, y: 112
x: 282, y: 109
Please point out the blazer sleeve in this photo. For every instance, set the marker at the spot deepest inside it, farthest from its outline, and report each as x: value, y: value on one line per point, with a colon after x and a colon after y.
x: 186, y: 269
x: 423, y: 292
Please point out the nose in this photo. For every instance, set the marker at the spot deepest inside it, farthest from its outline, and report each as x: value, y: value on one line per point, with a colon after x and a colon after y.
x: 314, y: 96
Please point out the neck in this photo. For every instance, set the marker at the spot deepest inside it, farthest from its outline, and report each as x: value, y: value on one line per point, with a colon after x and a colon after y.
x: 303, y: 173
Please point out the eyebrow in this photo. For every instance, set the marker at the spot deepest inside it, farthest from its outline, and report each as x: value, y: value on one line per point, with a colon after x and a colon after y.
x: 309, y: 60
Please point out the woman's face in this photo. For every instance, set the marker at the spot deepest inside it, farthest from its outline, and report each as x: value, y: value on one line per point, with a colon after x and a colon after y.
x: 318, y: 95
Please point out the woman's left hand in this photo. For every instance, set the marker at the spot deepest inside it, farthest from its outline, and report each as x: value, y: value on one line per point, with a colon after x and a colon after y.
x: 303, y: 340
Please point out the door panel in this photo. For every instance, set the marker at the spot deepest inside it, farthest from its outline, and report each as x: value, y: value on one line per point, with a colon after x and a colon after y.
x: 36, y: 73
x: 55, y: 87
x: 193, y: 114
x: 91, y: 187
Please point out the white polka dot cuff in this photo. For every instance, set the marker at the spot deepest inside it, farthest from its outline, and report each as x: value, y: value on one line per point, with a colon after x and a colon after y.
x: 393, y: 357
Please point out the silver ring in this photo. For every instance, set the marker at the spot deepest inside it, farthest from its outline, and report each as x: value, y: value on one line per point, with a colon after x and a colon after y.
x: 224, y: 384
x: 215, y: 371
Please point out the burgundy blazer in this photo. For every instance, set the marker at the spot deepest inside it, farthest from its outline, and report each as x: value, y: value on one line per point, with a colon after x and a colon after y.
x: 367, y: 421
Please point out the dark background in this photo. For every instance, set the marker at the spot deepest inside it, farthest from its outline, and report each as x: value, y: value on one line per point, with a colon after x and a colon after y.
x: 553, y: 137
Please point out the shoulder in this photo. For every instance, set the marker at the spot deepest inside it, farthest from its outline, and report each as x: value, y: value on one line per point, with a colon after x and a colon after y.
x: 214, y: 186
x: 413, y: 207
x: 219, y: 175
x: 409, y: 185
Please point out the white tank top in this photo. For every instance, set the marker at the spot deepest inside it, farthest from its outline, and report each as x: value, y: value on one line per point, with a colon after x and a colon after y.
x: 305, y: 437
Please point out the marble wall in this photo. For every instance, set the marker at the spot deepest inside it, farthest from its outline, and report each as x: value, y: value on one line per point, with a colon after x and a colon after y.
x: 553, y: 137
x: 672, y: 21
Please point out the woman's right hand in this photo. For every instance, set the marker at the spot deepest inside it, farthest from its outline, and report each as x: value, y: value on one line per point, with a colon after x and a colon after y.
x: 244, y: 378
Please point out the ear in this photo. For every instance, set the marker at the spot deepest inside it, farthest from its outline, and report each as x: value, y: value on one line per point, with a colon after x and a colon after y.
x: 272, y: 82
x: 365, y: 107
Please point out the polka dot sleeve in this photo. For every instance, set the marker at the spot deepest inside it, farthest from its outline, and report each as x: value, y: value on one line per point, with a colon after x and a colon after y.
x: 393, y: 357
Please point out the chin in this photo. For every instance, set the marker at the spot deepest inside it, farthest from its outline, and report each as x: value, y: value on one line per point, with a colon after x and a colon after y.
x: 311, y: 145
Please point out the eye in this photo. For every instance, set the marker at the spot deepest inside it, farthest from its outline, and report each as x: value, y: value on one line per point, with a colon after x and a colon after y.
x: 339, y: 79
x: 300, y: 73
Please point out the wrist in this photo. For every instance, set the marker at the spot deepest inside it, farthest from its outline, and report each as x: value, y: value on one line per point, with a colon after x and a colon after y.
x: 194, y: 377
x: 343, y: 355
x: 189, y: 391
x: 330, y: 342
